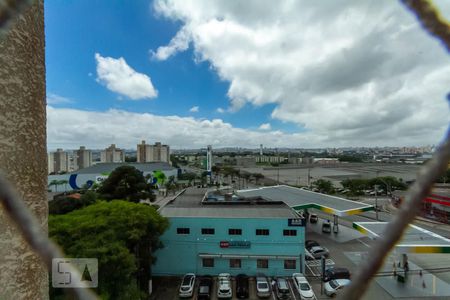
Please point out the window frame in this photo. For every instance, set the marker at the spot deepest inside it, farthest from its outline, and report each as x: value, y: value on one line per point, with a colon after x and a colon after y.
x: 262, y: 263
x: 183, y: 230
x: 290, y: 261
x: 235, y: 260
x: 208, y: 259
x: 289, y: 232
x: 262, y: 231
x: 234, y: 231
x: 208, y: 231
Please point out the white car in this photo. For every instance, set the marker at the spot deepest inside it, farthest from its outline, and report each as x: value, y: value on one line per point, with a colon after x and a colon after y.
x: 262, y: 287
x: 224, y: 283
x: 303, y: 287
x: 319, y: 251
x: 187, y: 285
x: 333, y: 286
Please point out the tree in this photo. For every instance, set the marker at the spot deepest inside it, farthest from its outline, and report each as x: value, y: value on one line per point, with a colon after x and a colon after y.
x: 55, y: 183
x: 121, y: 235
x: 63, y: 182
x: 125, y: 182
x: 324, y: 186
x: 67, y: 204
x: 257, y: 177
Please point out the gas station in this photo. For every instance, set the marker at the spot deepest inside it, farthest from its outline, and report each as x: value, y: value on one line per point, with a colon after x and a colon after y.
x: 301, y: 200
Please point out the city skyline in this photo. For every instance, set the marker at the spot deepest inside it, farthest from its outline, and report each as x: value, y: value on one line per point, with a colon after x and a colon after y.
x: 272, y: 74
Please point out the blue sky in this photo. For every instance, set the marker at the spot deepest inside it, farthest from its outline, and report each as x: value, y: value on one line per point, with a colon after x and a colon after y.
x: 76, y: 30
x: 240, y: 73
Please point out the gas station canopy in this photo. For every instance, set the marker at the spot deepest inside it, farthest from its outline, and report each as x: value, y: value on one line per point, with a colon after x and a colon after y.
x: 414, y: 240
x: 299, y: 199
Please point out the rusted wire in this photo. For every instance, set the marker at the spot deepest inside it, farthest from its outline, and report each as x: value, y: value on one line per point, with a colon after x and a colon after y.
x: 33, y: 234
x: 430, y: 19
x: 434, y: 24
x: 394, y: 230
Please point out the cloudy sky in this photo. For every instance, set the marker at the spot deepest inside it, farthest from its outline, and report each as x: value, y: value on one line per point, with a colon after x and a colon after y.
x: 240, y: 73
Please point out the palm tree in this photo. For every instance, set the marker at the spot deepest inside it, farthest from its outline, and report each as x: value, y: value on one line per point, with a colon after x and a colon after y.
x: 63, y: 182
x: 55, y: 183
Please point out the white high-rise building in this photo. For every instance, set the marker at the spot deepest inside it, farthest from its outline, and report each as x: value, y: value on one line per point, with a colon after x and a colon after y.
x: 112, y: 154
x: 84, y: 158
x: 58, y: 161
x: 153, y: 153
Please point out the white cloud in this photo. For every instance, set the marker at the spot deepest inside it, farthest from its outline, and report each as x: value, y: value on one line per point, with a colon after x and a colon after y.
x: 120, y: 78
x: 70, y: 128
x: 220, y: 110
x: 53, y: 99
x: 194, y: 109
x: 265, y: 126
x: 358, y: 71
x: 180, y: 42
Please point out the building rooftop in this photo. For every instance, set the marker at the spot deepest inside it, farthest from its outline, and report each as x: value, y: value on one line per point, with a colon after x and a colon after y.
x: 106, y: 168
x: 300, y: 199
x: 414, y: 240
x: 189, y: 204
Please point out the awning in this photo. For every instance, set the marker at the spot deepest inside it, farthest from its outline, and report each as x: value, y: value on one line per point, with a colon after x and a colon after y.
x: 240, y: 256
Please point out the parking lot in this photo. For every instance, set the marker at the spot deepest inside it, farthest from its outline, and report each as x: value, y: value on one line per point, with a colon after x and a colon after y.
x: 167, y: 288
x: 345, y: 248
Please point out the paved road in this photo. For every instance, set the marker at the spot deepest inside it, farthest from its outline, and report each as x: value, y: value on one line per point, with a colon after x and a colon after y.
x: 349, y: 243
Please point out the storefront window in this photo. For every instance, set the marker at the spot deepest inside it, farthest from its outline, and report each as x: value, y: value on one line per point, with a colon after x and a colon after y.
x: 289, y: 264
x: 262, y: 263
x: 208, y: 262
x: 235, y: 263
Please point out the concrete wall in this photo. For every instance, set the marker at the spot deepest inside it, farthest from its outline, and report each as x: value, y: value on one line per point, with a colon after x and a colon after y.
x: 180, y: 254
x: 23, y: 151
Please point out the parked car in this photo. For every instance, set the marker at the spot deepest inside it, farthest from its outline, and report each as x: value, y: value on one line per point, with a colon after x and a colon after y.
x: 242, y: 286
x: 205, y: 288
x: 326, y: 227
x: 313, y: 218
x: 318, y: 251
x: 187, y: 285
x: 308, y: 255
x: 262, y: 286
x: 302, y: 286
x: 282, y: 289
x: 333, y: 286
x: 311, y: 243
x: 336, y: 273
x: 224, y: 290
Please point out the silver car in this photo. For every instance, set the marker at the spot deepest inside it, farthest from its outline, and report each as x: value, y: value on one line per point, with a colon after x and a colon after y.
x: 187, y: 285
x: 333, y: 286
x: 262, y: 287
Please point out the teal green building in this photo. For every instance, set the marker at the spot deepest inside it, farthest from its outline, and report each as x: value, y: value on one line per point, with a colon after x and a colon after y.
x: 211, y: 233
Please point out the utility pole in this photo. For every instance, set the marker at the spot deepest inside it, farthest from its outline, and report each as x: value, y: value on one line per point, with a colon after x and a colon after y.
x: 376, y: 201
x: 309, y: 178
x: 278, y: 175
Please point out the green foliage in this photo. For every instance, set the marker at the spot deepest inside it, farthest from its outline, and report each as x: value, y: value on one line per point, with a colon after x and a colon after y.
x: 125, y: 182
x: 357, y: 186
x: 130, y: 158
x: 324, y: 186
x: 67, y: 204
x: 187, y: 176
x: 351, y: 158
x: 445, y: 178
x: 114, y: 233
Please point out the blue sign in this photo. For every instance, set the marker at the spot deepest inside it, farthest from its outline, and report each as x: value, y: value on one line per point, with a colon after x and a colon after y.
x: 300, y: 222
